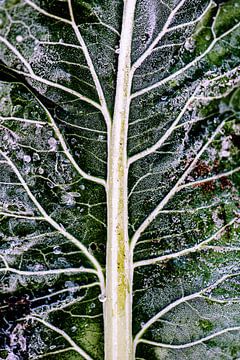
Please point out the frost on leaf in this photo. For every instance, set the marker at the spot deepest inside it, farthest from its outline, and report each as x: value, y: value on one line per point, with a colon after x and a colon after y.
x: 58, y: 80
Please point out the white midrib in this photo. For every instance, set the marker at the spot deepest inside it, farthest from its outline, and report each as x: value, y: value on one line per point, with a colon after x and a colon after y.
x: 118, y: 305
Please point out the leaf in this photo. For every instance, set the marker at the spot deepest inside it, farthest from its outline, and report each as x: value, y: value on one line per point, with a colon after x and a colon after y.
x: 119, y: 201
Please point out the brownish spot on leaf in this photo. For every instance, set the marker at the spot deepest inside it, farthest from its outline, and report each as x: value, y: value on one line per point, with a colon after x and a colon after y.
x: 208, y: 186
x: 201, y: 169
x: 225, y: 183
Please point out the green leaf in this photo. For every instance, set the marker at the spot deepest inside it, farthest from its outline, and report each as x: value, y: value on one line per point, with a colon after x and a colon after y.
x: 119, y: 179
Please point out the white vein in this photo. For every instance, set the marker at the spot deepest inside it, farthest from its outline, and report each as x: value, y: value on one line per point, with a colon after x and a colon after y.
x: 63, y: 334
x: 188, y: 66
x: 33, y: 76
x: 20, y: 216
x: 67, y: 150
x: 54, y: 224
x: 44, y: 12
x: 54, y: 353
x: 173, y: 191
x: 158, y: 38
x: 182, y: 300
x: 211, y: 178
x: 193, y: 343
x: 101, y: 96
x: 14, y: 118
x: 198, y: 247
x: 166, y: 135
x: 48, y: 272
x: 84, y: 48
x: 70, y: 290
x: 165, y: 30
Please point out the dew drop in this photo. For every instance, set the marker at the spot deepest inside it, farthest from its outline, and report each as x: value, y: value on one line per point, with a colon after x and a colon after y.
x: 82, y: 187
x: 189, y: 44
x: 102, y: 298
x: 52, y: 143
x: 38, y: 267
x: 68, y: 199
x: 73, y: 328
x: 73, y: 141
x: 36, y: 157
x: 19, y: 38
x: 50, y: 184
x: 69, y: 284
x: 117, y: 51
x: 57, y: 250
x: 27, y: 158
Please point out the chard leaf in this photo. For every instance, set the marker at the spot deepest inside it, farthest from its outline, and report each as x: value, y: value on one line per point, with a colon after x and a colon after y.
x: 119, y: 177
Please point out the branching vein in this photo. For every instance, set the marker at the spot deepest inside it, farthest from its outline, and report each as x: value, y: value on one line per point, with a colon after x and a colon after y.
x: 188, y: 66
x: 53, y: 223
x: 173, y: 191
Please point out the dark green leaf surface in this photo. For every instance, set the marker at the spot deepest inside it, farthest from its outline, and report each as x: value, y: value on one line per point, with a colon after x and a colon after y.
x: 183, y: 148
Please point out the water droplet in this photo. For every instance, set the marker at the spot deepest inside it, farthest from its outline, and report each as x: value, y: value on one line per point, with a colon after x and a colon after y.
x: 57, y: 250
x: 68, y: 199
x: 38, y: 267
x: 117, y: 51
x: 40, y: 171
x: 27, y: 158
x: 39, y: 126
x: 189, y: 44
x: 69, y: 284
x: 73, y: 141
x: 102, y: 298
x: 82, y: 187
x: 73, y: 328
x: 36, y: 157
x: 225, y: 153
x: 52, y: 143
x: 19, y: 38
x: 92, y: 306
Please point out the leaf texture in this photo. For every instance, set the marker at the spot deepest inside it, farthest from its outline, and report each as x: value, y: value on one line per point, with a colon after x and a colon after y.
x: 58, y: 81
